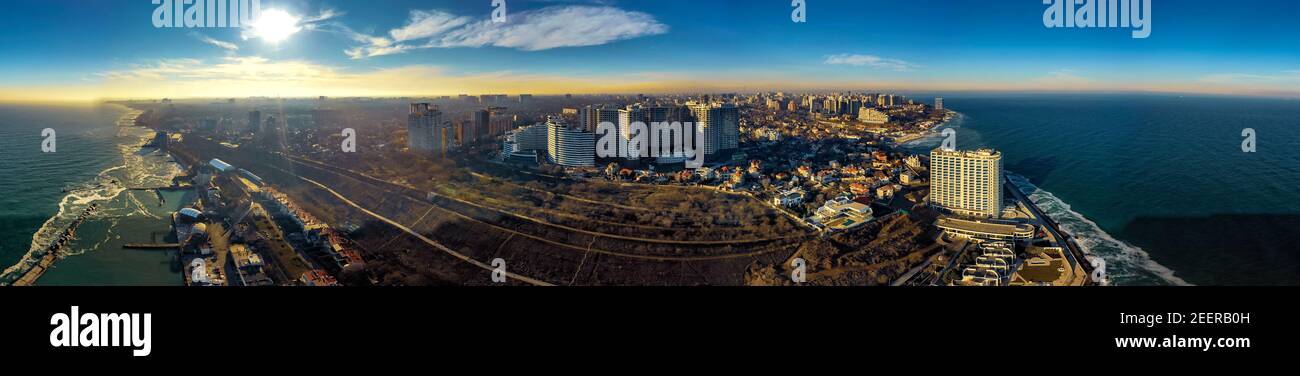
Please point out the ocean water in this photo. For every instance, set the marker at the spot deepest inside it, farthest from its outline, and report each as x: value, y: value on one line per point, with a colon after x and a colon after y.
x: 98, y: 158
x: 1158, y: 185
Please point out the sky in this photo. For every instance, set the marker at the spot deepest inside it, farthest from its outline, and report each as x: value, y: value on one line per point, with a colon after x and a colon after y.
x: 110, y: 49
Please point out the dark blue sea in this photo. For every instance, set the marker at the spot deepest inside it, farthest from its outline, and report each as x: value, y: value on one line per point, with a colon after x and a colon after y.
x: 1158, y: 185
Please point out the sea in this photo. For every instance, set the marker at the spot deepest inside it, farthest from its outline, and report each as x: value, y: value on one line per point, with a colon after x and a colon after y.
x: 97, y: 159
x: 1156, y: 185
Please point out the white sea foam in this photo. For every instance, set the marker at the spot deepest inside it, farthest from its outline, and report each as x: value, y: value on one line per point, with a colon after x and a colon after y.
x: 1123, y: 261
x: 103, y: 189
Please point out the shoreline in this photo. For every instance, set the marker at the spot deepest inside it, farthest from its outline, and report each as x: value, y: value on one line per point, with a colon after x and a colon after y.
x: 1082, y: 237
x: 103, y: 188
x: 916, y: 137
x: 1142, y: 262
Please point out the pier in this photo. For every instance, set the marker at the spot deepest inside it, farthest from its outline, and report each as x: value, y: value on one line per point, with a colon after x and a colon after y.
x: 54, y: 249
x: 157, y: 246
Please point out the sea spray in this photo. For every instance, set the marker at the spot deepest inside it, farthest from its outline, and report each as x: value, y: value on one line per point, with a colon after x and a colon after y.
x: 1125, y: 264
x: 139, y: 168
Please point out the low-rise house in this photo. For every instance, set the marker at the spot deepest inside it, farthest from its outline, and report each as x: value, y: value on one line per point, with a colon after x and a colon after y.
x: 842, y: 214
x: 790, y: 198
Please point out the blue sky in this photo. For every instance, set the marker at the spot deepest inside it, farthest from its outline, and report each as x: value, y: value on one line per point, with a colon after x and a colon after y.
x: 110, y: 49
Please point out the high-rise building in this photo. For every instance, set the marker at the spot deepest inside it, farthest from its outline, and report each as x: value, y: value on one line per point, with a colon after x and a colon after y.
x: 499, y: 121
x: 426, y: 132
x: 938, y: 104
x: 646, y: 115
x: 590, y: 117
x: 657, y: 114
x: 481, y: 120
x: 569, y: 147
x: 255, y: 121
x: 967, y: 182
x: 626, y: 117
x: 532, y: 137
x: 720, y: 124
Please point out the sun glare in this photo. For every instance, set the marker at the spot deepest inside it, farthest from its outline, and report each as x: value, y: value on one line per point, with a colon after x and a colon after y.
x: 275, y: 25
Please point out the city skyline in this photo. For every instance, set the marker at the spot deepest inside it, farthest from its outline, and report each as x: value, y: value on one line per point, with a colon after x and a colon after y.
x: 408, y: 48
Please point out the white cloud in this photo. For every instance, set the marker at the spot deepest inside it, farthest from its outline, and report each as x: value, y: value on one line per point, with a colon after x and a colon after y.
x: 428, y: 24
x: 216, y: 42
x: 325, y: 14
x: 228, y: 69
x: 1063, y: 78
x: 533, y: 30
x: 869, y: 61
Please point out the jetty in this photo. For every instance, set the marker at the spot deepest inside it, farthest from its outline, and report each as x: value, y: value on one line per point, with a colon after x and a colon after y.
x: 55, y: 249
x: 158, y: 246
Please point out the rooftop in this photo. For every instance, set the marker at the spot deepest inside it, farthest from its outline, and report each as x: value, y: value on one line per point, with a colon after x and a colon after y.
x: 985, y: 227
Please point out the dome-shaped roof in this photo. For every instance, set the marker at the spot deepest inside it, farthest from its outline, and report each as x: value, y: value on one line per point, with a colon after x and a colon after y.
x: 192, y: 212
x: 189, y: 215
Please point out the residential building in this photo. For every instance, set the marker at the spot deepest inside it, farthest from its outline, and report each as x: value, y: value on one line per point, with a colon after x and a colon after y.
x: 966, y: 182
x: 568, y: 146
x: 426, y: 132
x: 872, y: 116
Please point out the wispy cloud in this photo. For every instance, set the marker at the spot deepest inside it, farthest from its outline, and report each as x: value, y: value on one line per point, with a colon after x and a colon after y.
x: 1290, y: 76
x: 533, y: 30
x: 873, y: 61
x: 428, y: 24
x: 1064, y: 78
x: 228, y: 69
x: 325, y: 14
x: 228, y: 46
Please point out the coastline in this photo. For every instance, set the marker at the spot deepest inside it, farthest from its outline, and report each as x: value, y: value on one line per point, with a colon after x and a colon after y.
x: 911, y: 139
x: 1090, y: 238
x: 1121, y: 260
x: 106, y: 191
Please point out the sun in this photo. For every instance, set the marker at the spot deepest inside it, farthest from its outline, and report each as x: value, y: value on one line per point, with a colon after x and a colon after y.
x: 274, y: 26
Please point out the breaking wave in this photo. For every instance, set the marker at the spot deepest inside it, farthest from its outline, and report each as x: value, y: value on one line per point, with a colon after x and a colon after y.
x: 1126, y: 264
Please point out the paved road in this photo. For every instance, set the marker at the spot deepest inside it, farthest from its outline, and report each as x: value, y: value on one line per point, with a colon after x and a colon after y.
x: 1074, y: 253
